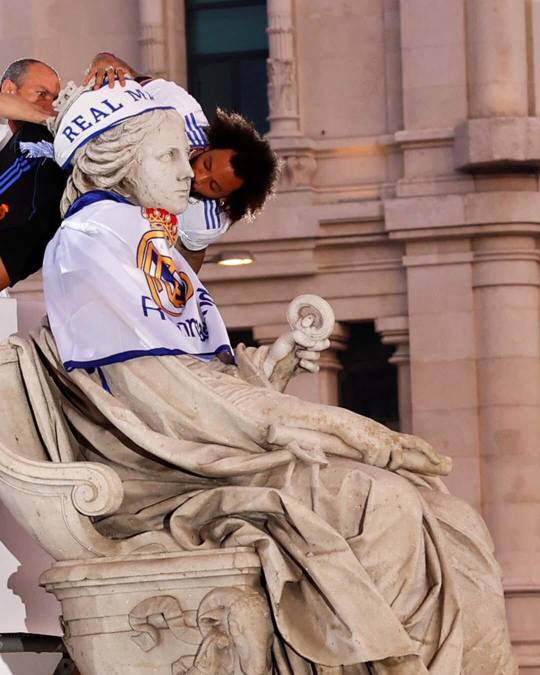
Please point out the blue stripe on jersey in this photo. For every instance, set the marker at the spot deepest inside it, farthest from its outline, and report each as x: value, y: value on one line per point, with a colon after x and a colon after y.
x: 215, y: 211
x: 196, y: 132
x: 11, y: 176
x: 12, y: 169
x: 207, y: 218
x: 191, y: 138
x: 211, y: 214
x: 200, y: 132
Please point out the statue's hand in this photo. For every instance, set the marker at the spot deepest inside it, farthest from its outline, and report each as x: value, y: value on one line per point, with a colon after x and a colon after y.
x: 301, y: 351
x: 308, y: 351
x: 415, y: 454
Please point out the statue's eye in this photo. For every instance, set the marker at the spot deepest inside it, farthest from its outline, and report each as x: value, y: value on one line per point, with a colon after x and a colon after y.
x: 167, y: 156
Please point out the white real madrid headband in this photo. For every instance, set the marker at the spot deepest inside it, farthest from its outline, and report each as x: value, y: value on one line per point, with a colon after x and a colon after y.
x: 93, y: 112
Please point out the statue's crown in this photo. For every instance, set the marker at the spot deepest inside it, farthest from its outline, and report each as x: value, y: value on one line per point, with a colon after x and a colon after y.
x: 162, y: 219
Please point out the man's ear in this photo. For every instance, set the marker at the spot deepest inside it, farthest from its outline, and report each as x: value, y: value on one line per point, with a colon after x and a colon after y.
x: 8, y: 87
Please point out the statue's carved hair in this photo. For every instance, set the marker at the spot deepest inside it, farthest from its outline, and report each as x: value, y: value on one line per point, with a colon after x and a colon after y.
x: 106, y: 161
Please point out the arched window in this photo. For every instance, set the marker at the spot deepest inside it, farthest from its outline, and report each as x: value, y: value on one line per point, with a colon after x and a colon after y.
x: 227, y: 51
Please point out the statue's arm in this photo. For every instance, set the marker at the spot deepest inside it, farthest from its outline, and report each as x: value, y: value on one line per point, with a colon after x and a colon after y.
x: 194, y: 259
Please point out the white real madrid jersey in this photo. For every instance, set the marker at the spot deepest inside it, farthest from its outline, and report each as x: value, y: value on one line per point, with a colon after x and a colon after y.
x: 116, y: 288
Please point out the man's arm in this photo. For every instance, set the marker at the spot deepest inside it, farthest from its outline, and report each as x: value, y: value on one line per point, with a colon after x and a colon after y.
x: 17, y: 108
x: 194, y: 259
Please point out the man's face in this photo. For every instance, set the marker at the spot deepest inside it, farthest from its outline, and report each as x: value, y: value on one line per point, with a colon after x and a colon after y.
x: 39, y: 85
x: 214, y: 174
x: 162, y: 175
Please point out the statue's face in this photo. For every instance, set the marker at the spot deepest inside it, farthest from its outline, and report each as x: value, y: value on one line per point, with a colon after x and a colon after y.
x: 162, y: 174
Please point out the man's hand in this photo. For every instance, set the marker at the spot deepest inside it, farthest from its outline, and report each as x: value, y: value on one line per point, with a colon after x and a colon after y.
x: 18, y: 109
x: 108, y: 67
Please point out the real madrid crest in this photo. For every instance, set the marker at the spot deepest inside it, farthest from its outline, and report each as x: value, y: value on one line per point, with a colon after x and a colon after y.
x: 170, y: 288
x: 162, y: 219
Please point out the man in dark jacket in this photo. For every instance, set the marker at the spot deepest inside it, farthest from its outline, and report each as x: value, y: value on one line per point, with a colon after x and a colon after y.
x: 28, y: 216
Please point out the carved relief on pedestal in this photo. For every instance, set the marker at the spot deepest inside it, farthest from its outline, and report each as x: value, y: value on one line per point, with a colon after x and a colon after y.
x: 162, y: 612
x: 231, y: 626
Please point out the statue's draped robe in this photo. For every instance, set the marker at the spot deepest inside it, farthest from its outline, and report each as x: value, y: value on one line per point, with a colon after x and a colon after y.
x: 360, y: 564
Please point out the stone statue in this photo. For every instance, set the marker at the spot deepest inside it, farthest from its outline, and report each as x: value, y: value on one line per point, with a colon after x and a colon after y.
x: 366, y: 557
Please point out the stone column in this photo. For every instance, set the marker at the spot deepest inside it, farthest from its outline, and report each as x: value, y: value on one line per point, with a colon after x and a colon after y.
x: 433, y: 64
x: 497, y: 58
x: 394, y: 330
x: 507, y: 306
x: 285, y: 125
x: 443, y: 358
x: 152, y: 38
x: 322, y: 387
x: 282, y: 79
x: 434, y: 77
x: 174, y: 15
x: 328, y: 376
x: 501, y: 130
x: 506, y: 285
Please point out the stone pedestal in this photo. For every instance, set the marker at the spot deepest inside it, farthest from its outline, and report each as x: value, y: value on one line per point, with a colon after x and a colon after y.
x: 159, y: 613
x: 8, y: 316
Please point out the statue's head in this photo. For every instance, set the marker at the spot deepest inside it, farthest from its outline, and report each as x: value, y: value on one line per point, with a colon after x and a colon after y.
x: 123, y: 141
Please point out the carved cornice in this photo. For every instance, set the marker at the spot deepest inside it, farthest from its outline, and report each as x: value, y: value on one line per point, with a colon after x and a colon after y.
x: 443, y: 216
x: 498, y: 144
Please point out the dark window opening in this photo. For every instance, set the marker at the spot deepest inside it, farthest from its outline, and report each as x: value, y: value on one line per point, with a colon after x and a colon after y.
x: 368, y: 383
x: 227, y: 53
x: 244, y: 335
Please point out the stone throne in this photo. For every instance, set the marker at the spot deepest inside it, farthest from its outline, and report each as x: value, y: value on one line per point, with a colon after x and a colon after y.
x: 136, y: 605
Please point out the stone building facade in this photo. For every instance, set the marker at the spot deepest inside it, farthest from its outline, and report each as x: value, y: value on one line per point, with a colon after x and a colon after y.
x: 410, y: 136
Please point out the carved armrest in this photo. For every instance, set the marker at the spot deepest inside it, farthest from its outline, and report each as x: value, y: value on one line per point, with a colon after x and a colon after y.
x: 54, y: 503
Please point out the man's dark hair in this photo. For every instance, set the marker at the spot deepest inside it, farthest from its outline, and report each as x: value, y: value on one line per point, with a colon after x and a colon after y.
x: 16, y: 70
x: 254, y: 162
